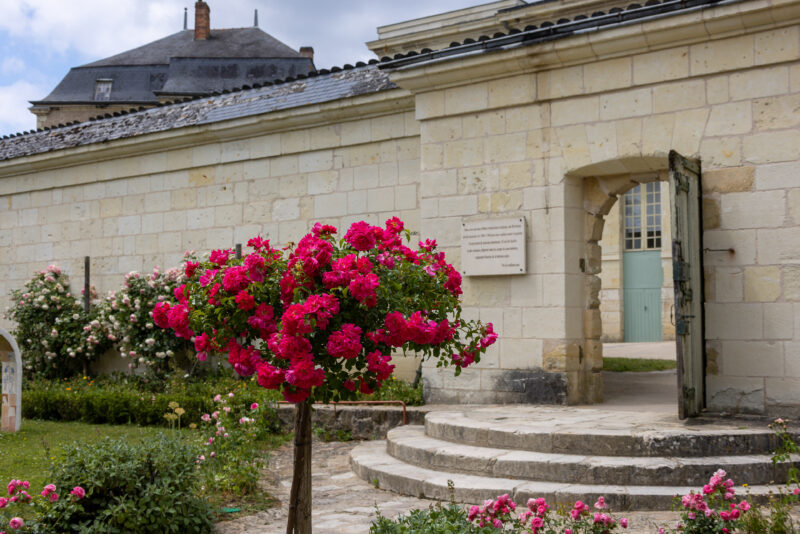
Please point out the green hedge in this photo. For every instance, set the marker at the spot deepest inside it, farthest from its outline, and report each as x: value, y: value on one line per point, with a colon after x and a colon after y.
x: 117, y: 406
x: 128, y: 400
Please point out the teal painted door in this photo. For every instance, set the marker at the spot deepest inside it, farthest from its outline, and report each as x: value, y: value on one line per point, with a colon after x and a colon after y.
x: 643, y: 277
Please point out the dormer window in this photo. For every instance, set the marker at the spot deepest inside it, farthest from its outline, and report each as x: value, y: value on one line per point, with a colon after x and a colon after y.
x: 102, y: 89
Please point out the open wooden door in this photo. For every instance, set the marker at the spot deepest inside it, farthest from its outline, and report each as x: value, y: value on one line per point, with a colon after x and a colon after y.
x: 687, y: 273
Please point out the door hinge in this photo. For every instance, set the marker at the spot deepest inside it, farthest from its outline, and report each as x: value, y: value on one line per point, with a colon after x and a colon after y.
x: 680, y: 271
x: 682, y: 181
x: 682, y: 325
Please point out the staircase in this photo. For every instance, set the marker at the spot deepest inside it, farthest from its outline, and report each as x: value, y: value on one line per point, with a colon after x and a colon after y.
x: 637, y: 460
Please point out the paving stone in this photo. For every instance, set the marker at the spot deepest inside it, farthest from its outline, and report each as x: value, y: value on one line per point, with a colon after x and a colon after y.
x: 342, y: 502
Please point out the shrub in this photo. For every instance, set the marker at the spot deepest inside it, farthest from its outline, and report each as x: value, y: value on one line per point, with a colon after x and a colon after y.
x: 438, y: 519
x: 118, y: 402
x: 130, y: 321
x: 232, y: 460
x: 497, y: 515
x: 56, y: 337
x: 147, y: 487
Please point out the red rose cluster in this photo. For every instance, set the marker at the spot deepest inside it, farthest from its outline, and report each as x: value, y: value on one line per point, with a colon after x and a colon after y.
x: 325, y: 319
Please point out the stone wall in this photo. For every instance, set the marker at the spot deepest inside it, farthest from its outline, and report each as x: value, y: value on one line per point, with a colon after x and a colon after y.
x: 553, y: 132
x: 558, y: 146
x: 131, y: 214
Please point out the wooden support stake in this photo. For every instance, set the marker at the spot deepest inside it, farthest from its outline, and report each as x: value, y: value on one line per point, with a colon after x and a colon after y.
x: 87, y: 299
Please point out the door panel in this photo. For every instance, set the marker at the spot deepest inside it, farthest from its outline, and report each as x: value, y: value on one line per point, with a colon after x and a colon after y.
x: 687, y: 270
x: 643, y: 277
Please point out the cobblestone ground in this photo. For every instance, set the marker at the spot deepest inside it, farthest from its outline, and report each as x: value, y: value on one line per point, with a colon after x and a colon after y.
x: 342, y: 503
x: 345, y: 504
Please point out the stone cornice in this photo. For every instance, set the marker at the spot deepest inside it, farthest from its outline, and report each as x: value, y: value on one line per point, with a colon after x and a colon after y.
x: 439, y: 31
x: 692, y: 27
x: 366, y: 106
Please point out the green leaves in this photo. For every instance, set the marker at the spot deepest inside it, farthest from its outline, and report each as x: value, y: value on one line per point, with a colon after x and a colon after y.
x: 136, y: 488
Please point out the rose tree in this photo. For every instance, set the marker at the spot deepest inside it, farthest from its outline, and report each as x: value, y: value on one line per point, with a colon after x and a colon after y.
x: 321, y: 319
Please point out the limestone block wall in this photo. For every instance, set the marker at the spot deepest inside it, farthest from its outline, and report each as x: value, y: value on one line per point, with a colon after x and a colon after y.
x: 138, y: 212
x: 553, y: 132
x: 558, y: 146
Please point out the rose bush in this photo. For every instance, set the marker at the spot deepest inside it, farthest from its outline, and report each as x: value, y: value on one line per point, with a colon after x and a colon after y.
x: 43, y: 503
x: 320, y: 320
x: 130, y: 322
x: 539, y: 519
x: 57, y: 338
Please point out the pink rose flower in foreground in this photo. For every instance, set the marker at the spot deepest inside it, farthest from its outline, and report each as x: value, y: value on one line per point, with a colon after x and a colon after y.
x: 16, y: 523
x: 78, y: 492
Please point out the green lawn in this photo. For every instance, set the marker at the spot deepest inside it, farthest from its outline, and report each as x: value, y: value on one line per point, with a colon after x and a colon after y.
x: 27, y: 454
x: 636, y: 365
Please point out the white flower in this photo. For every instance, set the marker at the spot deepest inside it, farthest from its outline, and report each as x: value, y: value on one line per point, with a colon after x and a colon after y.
x: 149, y: 341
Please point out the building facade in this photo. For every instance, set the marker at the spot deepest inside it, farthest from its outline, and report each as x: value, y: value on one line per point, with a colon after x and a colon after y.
x: 548, y: 112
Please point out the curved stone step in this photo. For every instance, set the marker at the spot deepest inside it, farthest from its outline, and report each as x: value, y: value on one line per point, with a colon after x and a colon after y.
x: 596, y: 432
x: 372, y: 463
x: 410, y: 445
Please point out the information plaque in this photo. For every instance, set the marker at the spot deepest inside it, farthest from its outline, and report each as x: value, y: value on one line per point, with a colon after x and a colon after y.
x: 493, y: 247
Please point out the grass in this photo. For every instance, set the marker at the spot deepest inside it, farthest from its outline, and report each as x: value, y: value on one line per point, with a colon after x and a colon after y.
x: 27, y: 454
x: 636, y: 365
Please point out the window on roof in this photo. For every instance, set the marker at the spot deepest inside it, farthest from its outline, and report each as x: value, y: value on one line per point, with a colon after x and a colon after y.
x: 642, y: 212
x: 102, y: 89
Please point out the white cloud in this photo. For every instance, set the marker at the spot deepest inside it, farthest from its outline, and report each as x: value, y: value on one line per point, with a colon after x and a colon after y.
x: 12, y: 65
x: 14, y: 114
x: 93, y: 28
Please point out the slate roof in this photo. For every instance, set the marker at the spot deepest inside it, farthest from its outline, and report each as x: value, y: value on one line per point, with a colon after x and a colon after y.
x: 316, y: 88
x: 180, y: 65
x: 223, y: 43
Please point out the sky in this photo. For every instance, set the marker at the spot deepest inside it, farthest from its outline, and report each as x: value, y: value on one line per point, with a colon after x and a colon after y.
x: 40, y: 40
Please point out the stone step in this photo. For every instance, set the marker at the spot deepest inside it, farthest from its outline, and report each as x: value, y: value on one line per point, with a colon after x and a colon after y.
x: 594, y: 432
x: 372, y: 463
x: 410, y: 445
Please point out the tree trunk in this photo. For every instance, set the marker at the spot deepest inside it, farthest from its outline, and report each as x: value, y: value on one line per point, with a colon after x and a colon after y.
x: 299, y: 521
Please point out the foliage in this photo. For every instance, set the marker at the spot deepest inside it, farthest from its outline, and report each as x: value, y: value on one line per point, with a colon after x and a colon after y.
x: 321, y: 320
x: 394, y: 389
x: 30, y: 452
x: 438, y: 519
x: 121, y: 487
x: 119, y: 400
x: 130, y: 322
x: 713, y: 509
x: 56, y: 337
x: 497, y: 515
x: 232, y: 461
x: 775, y: 517
x: 637, y: 365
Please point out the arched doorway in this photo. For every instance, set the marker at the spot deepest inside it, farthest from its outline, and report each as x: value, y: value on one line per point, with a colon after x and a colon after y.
x: 600, y: 192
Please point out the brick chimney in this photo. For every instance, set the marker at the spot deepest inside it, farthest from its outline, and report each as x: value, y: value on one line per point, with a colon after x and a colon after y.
x: 202, y: 21
x: 307, y: 51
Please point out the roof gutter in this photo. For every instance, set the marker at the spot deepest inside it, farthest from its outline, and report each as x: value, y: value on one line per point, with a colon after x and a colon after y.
x: 556, y: 31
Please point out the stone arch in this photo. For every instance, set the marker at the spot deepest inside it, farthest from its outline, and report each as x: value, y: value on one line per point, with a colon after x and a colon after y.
x: 11, y: 405
x: 601, y: 185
